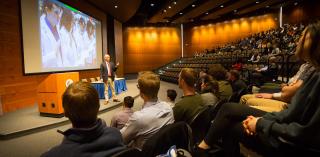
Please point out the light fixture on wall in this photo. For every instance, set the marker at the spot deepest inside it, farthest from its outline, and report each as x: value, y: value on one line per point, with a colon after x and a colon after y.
x: 116, y: 6
x: 221, y: 6
x: 193, y: 5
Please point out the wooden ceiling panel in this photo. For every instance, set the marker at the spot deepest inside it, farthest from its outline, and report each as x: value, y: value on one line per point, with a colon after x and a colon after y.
x: 227, y: 9
x: 161, y: 16
x: 123, y: 12
x: 205, y: 7
x: 258, y: 6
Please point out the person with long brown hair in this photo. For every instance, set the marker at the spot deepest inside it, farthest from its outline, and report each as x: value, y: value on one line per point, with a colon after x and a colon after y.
x: 289, y: 132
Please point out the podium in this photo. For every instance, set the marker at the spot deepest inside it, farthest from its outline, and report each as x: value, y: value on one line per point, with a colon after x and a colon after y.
x: 50, y: 93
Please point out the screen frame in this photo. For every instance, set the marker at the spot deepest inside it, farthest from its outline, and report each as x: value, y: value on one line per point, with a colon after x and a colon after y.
x: 64, y: 71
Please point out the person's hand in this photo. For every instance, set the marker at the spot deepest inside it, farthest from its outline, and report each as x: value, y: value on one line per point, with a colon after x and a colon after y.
x: 264, y: 95
x: 283, y: 85
x: 117, y: 64
x: 249, y: 125
x: 245, y: 126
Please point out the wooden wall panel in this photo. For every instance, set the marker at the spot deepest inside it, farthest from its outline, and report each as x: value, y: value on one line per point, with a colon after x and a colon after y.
x: 16, y: 90
x: 147, y: 48
x: 210, y: 36
x: 118, y: 46
x: 306, y: 12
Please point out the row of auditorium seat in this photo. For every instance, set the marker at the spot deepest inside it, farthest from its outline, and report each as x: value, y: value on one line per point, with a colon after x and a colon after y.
x: 287, y: 65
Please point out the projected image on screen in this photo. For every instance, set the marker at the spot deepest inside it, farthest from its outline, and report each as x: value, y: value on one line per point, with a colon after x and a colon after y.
x: 67, y: 36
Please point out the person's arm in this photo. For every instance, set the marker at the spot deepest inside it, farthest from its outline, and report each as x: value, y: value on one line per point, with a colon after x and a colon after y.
x: 131, y: 129
x: 115, y: 66
x: 114, y: 121
x: 101, y: 71
x: 178, y: 112
x: 292, y: 131
x: 288, y: 92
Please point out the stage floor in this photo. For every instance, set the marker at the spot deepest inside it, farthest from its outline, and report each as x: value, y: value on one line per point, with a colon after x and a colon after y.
x: 15, y: 124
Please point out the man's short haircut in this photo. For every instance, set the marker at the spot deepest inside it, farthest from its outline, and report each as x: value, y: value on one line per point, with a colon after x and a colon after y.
x: 128, y: 101
x: 149, y: 84
x: 81, y: 103
x: 218, y: 72
x: 235, y: 73
x: 172, y: 94
x: 189, y: 76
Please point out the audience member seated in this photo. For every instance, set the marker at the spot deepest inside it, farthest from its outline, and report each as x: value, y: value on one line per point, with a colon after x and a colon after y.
x: 171, y: 97
x: 219, y: 73
x: 202, y: 74
x: 237, y: 83
x: 152, y: 117
x: 289, y: 132
x: 209, y: 90
x: 191, y: 103
x: 278, y: 101
x: 89, y: 136
x: 122, y: 117
x: 267, y: 72
x: 255, y: 58
x: 238, y: 65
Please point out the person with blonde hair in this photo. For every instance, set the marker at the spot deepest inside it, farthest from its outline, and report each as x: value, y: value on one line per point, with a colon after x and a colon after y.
x: 154, y: 114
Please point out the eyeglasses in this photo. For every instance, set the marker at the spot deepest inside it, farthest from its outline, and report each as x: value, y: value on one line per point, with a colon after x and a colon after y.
x: 138, y: 86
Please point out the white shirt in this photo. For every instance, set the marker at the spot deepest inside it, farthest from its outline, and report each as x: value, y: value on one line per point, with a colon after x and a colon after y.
x: 68, y: 48
x: 146, y: 122
x: 50, y: 47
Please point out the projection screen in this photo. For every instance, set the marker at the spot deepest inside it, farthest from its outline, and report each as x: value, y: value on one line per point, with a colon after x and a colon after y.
x: 58, y: 37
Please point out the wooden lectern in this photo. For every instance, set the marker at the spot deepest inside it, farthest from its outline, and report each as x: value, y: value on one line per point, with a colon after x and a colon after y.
x: 50, y: 93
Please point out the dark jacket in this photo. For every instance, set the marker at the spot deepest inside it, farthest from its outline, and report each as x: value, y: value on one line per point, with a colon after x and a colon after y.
x: 299, y: 124
x: 104, y: 71
x: 97, y: 141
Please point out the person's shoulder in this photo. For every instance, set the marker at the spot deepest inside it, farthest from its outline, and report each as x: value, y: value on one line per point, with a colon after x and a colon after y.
x: 111, y: 130
x: 59, y: 150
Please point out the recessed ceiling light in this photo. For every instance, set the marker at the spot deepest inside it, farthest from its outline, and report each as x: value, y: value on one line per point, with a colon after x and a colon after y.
x: 207, y: 13
x: 221, y: 6
x: 193, y: 5
x: 174, y: 2
x: 152, y: 4
x: 295, y: 3
x: 180, y: 13
x: 257, y: 2
x: 235, y: 10
x: 169, y: 7
x: 267, y: 6
x: 115, y: 6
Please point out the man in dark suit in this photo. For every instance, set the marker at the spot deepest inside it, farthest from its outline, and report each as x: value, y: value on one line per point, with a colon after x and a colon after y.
x: 107, y: 73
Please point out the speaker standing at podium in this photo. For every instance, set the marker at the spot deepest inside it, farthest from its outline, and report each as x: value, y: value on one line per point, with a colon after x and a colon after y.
x: 107, y: 71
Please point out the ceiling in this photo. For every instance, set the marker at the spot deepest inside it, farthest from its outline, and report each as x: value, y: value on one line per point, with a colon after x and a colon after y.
x: 151, y: 12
